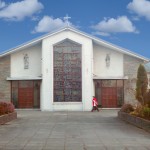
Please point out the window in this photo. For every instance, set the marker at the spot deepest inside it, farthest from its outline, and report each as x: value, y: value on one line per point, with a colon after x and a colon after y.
x: 67, y: 72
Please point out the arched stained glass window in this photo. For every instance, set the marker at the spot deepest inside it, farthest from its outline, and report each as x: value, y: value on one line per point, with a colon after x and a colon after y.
x: 67, y: 72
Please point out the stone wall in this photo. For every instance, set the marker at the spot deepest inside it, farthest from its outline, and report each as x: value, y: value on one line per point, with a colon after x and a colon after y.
x: 131, y: 65
x: 5, y: 90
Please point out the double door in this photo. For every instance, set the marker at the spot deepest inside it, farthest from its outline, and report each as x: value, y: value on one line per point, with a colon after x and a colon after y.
x: 110, y: 93
x: 25, y: 94
x: 109, y: 97
x: 25, y: 97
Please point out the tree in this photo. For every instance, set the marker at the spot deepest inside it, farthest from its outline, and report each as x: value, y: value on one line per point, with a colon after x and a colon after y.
x: 141, y: 84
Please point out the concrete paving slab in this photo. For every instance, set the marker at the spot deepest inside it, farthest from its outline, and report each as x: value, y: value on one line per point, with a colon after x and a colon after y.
x: 36, y: 130
x: 95, y: 148
x: 53, y: 148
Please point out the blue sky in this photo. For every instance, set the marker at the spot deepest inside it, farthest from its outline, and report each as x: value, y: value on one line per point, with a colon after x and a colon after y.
x: 125, y: 23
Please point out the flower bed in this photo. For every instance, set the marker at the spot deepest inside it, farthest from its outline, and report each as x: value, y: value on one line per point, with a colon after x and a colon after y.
x: 7, y: 112
x: 137, y: 121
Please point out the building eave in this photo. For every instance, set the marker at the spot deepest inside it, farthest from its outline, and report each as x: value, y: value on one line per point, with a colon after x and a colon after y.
x: 110, y: 45
x: 31, y: 42
x: 110, y: 78
x: 23, y: 78
x: 95, y: 39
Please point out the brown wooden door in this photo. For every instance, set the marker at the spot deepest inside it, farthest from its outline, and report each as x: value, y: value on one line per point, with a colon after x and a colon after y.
x: 109, y: 97
x: 25, y: 97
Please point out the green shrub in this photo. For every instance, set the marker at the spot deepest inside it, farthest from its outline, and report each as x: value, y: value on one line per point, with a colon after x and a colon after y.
x: 142, y: 111
x: 141, y: 84
x: 147, y: 98
x: 138, y: 111
x: 146, y: 112
x: 127, y: 108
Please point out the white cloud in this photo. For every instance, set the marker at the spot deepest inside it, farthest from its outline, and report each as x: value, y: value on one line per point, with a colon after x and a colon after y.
x: 2, y: 4
x: 35, y: 18
x: 135, y: 18
x: 101, y: 33
x: 47, y: 24
x: 140, y: 7
x: 112, y: 25
x: 19, y: 10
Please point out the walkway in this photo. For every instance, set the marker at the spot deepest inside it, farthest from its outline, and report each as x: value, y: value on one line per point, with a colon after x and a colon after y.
x: 36, y: 130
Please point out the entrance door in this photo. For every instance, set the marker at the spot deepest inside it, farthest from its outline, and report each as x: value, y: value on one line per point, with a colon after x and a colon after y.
x: 109, y: 97
x: 109, y: 93
x: 25, y: 94
x: 25, y: 98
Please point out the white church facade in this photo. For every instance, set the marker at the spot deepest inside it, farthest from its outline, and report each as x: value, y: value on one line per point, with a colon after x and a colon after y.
x: 61, y: 71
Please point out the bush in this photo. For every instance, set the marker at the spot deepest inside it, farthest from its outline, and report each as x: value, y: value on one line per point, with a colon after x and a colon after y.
x: 6, y: 107
x: 141, y: 84
x: 138, y: 111
x: 142, y: 111
x: 147, y: 99
x: 127, y: 108
x: 146, y: 112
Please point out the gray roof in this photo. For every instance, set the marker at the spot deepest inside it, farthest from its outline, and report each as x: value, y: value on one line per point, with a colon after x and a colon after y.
x: 147, y: 67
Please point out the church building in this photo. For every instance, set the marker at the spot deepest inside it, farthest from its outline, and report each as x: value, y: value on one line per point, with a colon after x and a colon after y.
x: 63, y: 70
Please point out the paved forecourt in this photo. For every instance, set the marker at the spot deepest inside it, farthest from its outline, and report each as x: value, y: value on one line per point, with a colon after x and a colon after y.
x: 36, y: 130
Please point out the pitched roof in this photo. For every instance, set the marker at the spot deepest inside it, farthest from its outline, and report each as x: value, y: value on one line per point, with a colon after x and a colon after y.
x: 70, y: 28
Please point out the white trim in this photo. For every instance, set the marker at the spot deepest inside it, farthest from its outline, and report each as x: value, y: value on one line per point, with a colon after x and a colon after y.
x: 110, y: 45
x: 120, y: 78
x: 67, y: 103
x: 100, y: 41
x: 30, y: 43
x: 23, y: 78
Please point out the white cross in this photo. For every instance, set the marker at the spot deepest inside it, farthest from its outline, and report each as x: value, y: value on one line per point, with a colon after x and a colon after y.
x: 66, y: 19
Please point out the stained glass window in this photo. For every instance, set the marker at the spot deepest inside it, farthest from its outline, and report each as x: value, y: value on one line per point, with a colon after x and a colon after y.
x: 67, y: 72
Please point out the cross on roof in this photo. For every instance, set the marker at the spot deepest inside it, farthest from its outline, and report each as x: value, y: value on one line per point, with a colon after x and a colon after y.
x: 66, y: 19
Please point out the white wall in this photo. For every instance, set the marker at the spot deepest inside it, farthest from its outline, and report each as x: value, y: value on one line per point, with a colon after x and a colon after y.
x: 116, y: 62
x: 17, y: 62
x: 47, y: 70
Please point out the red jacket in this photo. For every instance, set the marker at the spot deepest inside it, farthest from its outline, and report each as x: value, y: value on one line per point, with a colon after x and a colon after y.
x: 94, y: 102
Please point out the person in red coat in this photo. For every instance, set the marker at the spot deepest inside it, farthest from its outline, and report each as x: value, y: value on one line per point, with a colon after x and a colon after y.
x: 95, y: 104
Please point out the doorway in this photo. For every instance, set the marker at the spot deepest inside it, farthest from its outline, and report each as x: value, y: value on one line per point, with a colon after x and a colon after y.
x: 25, y: 94
x: 109, y: 93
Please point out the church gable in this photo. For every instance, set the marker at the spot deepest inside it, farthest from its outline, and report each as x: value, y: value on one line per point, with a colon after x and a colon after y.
x: 68, y: 30
x: 64, y: 69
